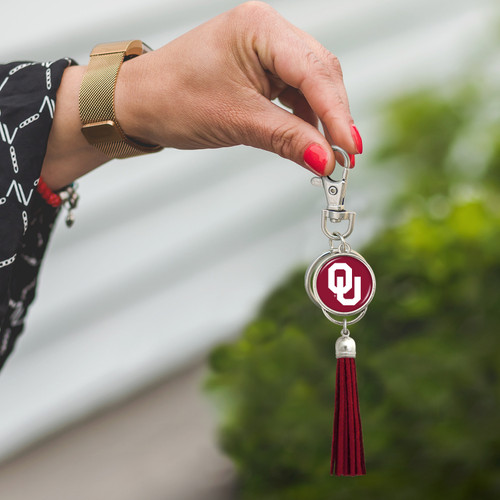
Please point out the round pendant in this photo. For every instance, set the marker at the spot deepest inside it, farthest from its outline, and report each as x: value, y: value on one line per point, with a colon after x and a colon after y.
x: 343, y: 283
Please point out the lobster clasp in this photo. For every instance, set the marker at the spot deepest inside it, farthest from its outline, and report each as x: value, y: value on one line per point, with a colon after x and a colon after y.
x: 335, y: 197
x: 334, y: 191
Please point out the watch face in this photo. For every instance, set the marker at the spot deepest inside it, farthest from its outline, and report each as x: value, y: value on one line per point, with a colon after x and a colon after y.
x: 344, y: 284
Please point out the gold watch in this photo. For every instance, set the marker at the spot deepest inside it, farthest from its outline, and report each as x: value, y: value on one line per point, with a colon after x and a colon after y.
x: 97, y: 100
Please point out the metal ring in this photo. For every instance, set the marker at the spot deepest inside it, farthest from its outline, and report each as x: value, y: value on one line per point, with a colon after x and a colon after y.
x: 339, y: 236
x: 344, y: 247
x: 307, y: 277
x: 347, y: 161
x: 347, y: 322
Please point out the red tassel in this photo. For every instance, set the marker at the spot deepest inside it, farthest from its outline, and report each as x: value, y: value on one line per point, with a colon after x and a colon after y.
x: 348, y: 457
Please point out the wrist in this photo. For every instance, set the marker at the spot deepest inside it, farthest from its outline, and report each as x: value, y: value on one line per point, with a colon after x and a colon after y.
x: 68, y: 154
x: 97, y: 100
x: 132, y: 100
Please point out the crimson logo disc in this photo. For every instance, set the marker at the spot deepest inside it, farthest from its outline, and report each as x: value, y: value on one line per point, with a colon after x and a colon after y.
x: 344, y: 284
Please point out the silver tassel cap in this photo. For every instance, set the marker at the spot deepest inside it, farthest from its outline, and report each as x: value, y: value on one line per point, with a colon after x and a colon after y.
x: 345, y: 347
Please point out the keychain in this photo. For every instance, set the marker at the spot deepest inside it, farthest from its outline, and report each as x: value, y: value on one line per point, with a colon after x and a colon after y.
x: 342, y: 284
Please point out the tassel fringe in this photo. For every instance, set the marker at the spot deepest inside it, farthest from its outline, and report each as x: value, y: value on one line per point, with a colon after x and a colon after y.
x: 348, y: 457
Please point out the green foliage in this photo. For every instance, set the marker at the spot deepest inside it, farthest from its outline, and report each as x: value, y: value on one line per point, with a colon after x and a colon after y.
x: 428, y: 348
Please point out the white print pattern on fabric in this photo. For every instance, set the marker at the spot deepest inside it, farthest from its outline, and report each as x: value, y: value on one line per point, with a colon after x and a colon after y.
x: 7, y: 262
x: 8, y: 133
x: 27, y: 102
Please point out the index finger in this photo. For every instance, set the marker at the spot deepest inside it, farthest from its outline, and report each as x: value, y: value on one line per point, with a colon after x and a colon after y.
x: 303, y: 63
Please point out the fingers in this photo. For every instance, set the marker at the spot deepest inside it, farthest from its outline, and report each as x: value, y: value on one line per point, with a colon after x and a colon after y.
x: 294, y: 100
x: 303, y: 63
x: 339, y: 156
x: 290, y: 136
x: 322, y: 85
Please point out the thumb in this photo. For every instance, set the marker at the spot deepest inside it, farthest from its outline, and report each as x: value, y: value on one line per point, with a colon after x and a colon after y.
x: 274, y: 129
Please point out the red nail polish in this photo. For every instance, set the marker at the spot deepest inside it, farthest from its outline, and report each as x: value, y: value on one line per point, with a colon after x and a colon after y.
x: 352, y: 160
x: 357, y: 139
x: 315, y: 156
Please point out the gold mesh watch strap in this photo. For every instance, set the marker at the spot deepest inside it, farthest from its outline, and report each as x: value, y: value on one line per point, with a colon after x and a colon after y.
x: 97, y: 101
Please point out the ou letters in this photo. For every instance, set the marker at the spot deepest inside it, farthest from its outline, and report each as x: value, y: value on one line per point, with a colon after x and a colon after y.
x: 342, y: 283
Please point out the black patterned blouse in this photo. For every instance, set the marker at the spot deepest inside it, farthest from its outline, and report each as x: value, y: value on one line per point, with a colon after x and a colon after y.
x: 27, y: 101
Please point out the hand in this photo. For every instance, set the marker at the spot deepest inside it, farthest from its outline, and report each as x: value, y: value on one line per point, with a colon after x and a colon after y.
x: 213, y: 87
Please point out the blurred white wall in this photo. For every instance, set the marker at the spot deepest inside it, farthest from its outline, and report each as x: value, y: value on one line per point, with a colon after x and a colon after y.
x: 173, y: 253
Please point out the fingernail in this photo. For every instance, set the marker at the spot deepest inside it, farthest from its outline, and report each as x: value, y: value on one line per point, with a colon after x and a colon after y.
x: 316, y: 158
x: 352, y: 160
x: 357, y: 139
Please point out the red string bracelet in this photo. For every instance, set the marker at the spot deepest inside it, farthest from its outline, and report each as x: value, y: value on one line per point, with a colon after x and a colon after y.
x: 53, y: 199
x: 67, y: 196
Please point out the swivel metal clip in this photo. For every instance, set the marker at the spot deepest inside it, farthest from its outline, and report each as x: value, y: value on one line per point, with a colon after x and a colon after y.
x: 335, y: 196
